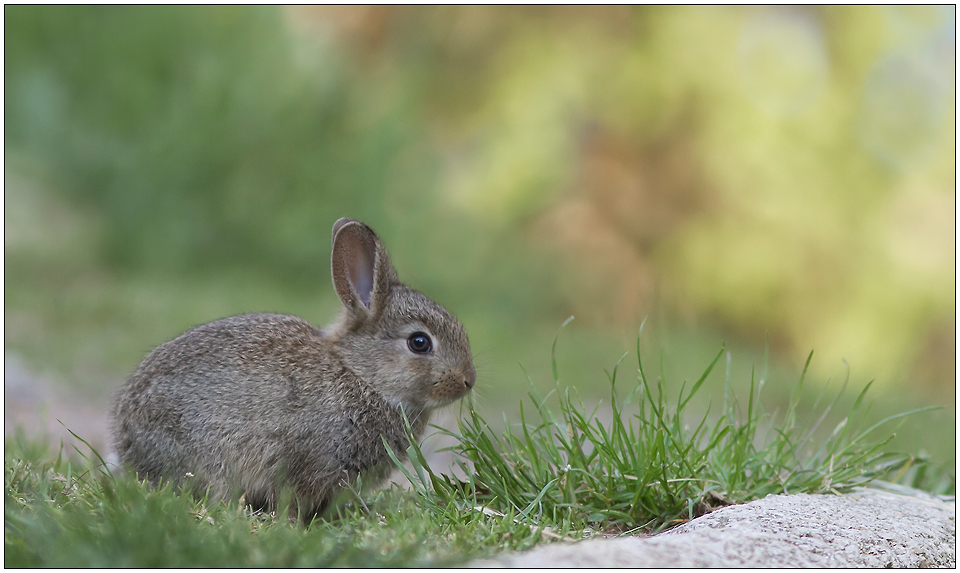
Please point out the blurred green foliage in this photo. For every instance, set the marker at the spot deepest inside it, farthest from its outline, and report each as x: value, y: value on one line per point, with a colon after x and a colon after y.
x: 195, y: 133
x: 727, y: 171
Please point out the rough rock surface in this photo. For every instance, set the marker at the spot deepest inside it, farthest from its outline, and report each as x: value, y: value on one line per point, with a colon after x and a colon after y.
x: 868, y: 528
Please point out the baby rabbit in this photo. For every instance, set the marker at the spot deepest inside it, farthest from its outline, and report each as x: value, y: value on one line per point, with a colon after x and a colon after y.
x: 259, y: 402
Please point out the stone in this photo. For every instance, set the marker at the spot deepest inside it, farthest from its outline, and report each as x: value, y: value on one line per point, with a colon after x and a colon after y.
x: 866, y: 528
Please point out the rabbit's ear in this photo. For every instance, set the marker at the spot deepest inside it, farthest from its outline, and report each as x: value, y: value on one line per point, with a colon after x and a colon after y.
x: 361, y: 269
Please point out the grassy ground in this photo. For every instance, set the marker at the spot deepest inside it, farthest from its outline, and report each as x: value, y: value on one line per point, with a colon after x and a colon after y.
x: 57, y: 517
x: 642, y: 462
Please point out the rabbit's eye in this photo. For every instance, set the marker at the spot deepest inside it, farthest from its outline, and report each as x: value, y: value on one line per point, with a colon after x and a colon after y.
x: 420, y: 343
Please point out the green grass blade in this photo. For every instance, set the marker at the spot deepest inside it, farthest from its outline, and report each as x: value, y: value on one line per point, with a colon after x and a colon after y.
x: 553, y: 350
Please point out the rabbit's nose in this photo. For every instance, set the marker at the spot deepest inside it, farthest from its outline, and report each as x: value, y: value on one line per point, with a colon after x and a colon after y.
x: 470, y: 376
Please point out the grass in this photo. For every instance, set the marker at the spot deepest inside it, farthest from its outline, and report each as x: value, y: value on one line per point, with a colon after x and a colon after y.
x: 643, y: 463
x: 57, y: 516
x: 646, y: 469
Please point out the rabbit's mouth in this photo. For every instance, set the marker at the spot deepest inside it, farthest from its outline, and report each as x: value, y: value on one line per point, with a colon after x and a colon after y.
x: 452, y: 386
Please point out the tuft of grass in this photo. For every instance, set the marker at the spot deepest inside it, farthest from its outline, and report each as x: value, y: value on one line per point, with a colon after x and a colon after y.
x: 650, y: 464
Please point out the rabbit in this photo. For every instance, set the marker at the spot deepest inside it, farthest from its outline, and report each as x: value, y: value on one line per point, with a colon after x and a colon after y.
x: 257, y: 403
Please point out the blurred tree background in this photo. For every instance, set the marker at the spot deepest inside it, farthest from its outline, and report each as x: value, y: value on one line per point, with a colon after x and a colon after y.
x: 726, y: 172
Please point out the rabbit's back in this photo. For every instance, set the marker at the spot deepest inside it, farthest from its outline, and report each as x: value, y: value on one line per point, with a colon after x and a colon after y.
x: 242, y: 403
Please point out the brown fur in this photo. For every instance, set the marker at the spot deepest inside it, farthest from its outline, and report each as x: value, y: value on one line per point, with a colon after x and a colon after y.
x: 258, y: 402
